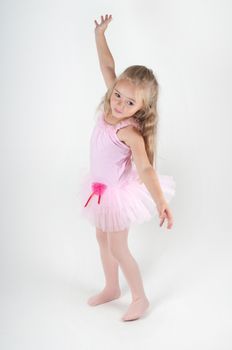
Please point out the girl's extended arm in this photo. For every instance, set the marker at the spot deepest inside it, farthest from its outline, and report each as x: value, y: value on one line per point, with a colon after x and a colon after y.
x: 147, y: 173
x: 106, y: 59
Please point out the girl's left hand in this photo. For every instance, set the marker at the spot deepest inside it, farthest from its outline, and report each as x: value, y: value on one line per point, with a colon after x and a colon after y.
x: 165, y: 213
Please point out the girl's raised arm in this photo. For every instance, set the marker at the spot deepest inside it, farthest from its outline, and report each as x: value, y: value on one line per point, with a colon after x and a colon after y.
x: 106, y: 60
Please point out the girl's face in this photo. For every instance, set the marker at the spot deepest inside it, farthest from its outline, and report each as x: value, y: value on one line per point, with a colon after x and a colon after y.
x: 125, y: 100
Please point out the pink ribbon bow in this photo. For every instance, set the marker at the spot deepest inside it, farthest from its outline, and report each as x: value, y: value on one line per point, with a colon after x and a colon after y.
x: 97, y: 188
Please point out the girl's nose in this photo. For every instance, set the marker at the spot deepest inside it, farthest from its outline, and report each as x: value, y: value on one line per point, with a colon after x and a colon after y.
x: 120, y: 105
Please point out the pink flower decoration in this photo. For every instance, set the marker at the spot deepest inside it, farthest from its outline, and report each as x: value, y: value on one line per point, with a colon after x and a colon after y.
x: 98, y: 188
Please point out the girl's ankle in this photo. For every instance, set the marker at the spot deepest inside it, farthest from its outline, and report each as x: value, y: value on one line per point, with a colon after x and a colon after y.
x: 141, y: 297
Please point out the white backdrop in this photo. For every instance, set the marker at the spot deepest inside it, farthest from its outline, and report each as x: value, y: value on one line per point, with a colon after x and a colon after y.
x: 50, y: 86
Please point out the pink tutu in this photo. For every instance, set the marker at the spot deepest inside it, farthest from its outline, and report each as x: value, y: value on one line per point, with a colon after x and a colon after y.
x: 115, y: 207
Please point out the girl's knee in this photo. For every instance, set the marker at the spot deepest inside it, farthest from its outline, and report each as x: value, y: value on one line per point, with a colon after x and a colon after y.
x: 101, y: 236
x: 118, y: 247
x: 118, y: 252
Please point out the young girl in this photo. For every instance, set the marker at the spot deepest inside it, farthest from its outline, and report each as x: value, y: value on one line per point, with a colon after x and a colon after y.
x: 115, y: 194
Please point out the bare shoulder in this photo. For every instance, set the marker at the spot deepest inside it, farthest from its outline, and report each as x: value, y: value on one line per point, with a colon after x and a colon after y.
x: 130, y: 135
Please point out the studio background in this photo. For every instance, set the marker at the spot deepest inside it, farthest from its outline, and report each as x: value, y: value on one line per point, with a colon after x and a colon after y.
x: 51, y: 84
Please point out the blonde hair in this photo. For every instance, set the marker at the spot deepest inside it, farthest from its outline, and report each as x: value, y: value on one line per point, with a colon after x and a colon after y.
x: 147, y: 117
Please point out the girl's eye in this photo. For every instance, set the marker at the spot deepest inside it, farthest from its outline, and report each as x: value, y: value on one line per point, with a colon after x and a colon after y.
x: 130, y: 103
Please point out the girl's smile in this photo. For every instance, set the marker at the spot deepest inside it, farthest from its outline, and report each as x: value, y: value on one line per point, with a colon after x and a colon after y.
x: 117, y: 110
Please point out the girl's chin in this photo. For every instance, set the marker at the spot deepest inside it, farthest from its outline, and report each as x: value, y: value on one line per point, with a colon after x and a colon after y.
x: 116, y: 115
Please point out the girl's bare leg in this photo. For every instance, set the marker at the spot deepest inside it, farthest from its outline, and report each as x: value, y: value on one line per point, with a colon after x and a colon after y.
x: 110, y: 267
x: 119, y: 248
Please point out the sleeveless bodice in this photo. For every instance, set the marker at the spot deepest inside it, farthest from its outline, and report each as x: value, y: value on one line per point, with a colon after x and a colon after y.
x: 110, y: 158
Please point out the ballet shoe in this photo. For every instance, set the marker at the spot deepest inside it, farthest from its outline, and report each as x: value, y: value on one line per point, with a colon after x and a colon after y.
x: 136, y: 309
x: 104, y: 296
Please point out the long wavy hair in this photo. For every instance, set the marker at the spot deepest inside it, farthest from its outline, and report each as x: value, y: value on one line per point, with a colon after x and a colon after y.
x: 147, y: 117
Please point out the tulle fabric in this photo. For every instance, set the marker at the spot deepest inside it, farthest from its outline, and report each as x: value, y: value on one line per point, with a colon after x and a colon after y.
x: 123, y: 204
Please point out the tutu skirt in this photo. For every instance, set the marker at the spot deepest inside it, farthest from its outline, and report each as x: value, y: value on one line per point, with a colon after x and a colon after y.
x: 115, y: 207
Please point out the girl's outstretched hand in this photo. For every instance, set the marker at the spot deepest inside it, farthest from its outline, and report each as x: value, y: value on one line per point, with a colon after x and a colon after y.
x: 104, y: 23
x: 165, y: 213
